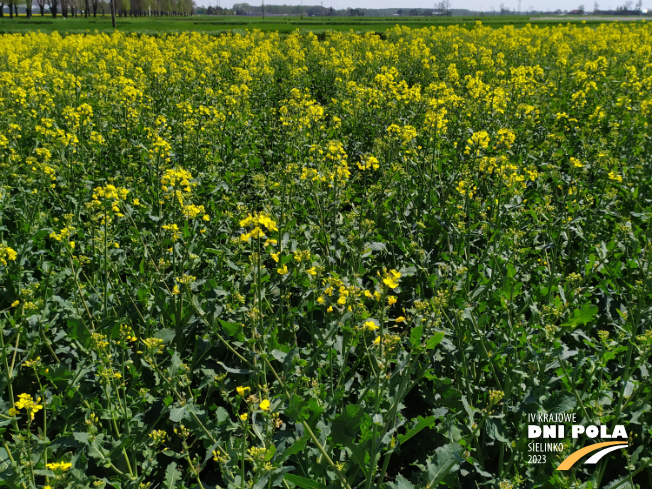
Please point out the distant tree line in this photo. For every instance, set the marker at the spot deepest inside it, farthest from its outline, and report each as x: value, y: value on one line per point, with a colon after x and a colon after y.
x: 424, y: 12
x: 88, y: 8
x: 210, y: 10
x: 278, y: 10
x: 320, y: 11
x: 442, y: 9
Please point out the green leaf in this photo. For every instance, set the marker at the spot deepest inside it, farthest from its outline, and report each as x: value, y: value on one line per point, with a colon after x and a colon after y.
x: 301, y: 409
x: 582, y: 316
x: 346, y: 427
x: 495, y: 431
x: 434, y: 340
x: 177, y: 413
x: 401, y: 483
x: 5, y: 461
x: 446, y: 459
x: 241, y: 371
x: 165, y: 334
x: 296, y: 447
x: 81, y: 437
x: 172, y: 476
x: 560, y: 403
x: 422, y: 424
x: 232, y: 329
x: 271, y: 451
x: 375, y: 246
x: 221, y: 414
x: 303, y: 482
x: 415, y: 335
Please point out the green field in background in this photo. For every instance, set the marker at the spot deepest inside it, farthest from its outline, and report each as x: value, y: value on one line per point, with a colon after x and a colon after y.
x: 208, y: 24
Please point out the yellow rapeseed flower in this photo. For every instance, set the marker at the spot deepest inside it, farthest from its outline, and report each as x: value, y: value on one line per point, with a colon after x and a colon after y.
x: 370, y: 326
x: 28, y: 403
x: 391, y: 279
x: 7, y: 253
x: 62, y: 466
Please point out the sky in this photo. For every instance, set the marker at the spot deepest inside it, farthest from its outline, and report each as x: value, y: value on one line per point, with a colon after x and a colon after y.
x: 481, y: 5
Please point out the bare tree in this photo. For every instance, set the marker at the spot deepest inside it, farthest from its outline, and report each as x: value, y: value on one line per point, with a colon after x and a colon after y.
x: 41, y: 6
x: 54, y: 5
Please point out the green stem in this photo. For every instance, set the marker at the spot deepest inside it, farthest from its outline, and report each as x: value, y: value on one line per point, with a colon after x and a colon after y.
x: 579, y: 399
x: 8, y: 373
x: 312, y: 436
x: 106, y: 263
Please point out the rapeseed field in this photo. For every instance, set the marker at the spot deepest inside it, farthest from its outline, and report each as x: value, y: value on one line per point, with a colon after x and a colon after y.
x: 347, y: 261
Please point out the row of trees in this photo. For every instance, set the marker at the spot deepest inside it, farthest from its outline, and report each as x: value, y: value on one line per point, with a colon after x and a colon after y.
x: 88, y: 8
x: 55, y: 7
x: 441, y: 8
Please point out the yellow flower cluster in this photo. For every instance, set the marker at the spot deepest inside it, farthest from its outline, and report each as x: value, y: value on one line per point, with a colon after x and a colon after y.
x: 300, y: 112
x: 391, y: 278
x: 369, y: 163
x: 259, y: 221
x: 327, y: 164
x: 59, y: 466
x: 7, y: 253
x: 64, y: 235
x: 177, y: 179
x: 28, y: 403
x: 177, y: 185
x: 154, y: 345
x: 158, y: 436
x: 405, y: 133
x: 479, y: 140
x: 173, y: 229
x: 111, y: 195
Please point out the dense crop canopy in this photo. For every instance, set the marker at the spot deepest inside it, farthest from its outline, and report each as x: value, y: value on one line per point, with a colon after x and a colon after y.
x: 269, y: 260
